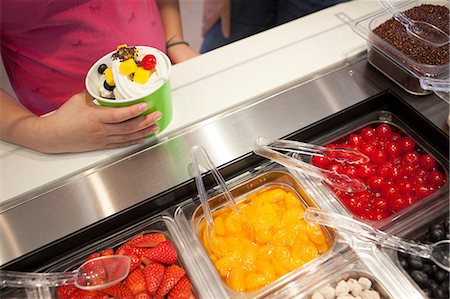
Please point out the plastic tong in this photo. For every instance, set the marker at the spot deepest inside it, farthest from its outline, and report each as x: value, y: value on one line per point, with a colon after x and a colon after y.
x: 270, y: 149
x: 438, y: 252
x: 201, y: 160
x: 94, y: 274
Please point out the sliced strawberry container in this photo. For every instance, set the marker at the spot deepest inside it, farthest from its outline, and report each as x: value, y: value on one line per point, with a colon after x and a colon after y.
x: 157, y: 270
x: 405, y: 174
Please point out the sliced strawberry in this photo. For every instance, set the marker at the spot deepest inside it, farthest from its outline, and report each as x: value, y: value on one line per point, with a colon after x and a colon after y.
x: 129, y: 249
x: 153, y: 274
x: 172, y: 274
x: 145, y: 240
x: 93, y: 256
x: 119, y: 290
x: 164, y: 253
x: 136, y: 282
x: 64, y: 292
x: 135, y: 261
x: 107, y: 252
x: 83, y: 294
x: 148, y: 240
x: 182, y: 290
x: 101, y: 295
x: 122, y: 249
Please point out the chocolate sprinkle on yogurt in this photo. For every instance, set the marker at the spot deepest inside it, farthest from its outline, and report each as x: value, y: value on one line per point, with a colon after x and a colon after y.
x: 125, y: 53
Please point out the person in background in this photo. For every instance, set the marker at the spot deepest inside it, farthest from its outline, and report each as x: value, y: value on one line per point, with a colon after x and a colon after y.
x: 226, y: 21
x: 47, y: 48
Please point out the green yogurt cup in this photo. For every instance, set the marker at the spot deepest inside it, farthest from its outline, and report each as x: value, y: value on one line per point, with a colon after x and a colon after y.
x: 158, y: 100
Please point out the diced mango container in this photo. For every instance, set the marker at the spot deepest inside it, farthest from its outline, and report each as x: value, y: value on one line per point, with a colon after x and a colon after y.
x: 403, y: 176
x: 256, y: 251
x: 161, y: 224
x: 393, y: 63
x: 424, y: 273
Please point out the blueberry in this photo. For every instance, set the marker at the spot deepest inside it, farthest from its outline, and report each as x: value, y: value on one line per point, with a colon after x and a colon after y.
x: 437, y: 233
x: 420, y: 277
x: 403, y: 255
x: 440, y: 276
x: 101, y: 68
x: 404, y: 263
x: 446, y: 284
x: 427, y: 268
x: 415, y: 262
x: 438, y: 293
x: 433, y: 285
x: 107, y: 86
x: 445, y: 292
x: 434, y: 268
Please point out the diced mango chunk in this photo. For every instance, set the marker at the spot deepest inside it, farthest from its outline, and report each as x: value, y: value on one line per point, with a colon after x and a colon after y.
x: 141, y: 75
x: 128, y: 67
x: 109, y: 77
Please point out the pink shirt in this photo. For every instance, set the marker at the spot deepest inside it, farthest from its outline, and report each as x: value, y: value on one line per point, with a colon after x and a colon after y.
x: 48, y: 46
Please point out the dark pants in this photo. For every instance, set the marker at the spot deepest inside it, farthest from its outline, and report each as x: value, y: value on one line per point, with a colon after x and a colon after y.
x: 252, y: 16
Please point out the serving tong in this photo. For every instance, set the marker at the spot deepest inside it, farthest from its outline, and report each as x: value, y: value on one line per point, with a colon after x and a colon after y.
x: 94, y: 274
x: 438, y: 252
x: 270, y: 149
x: 202, y: 161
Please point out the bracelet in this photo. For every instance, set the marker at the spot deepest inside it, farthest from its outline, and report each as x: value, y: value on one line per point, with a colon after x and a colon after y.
x: 168, y: 45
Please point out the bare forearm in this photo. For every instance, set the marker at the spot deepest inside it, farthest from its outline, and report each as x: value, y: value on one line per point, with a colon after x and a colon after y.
x: 177, y: 50
x: 171, y: 19
x: 77, y: 126
x: 19, y: 125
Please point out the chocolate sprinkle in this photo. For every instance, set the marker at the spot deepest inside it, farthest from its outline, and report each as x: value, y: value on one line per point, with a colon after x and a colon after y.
x: 396, y: 34
x: 125, y: 53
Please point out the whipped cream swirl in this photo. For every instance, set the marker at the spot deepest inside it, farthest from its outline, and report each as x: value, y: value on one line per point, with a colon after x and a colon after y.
x: 126, y: 89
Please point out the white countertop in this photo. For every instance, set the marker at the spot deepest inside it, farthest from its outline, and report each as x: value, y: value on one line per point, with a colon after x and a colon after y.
x: 212, y: 83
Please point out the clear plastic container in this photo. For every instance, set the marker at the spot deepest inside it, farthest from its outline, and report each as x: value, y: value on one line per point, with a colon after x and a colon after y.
x: 348, y: 257
x: 393, y: 63
x: 364, y: 261
x: 190, y: 217
x: 160, y: 224
x: 422, y: 273
x: 326, y: 198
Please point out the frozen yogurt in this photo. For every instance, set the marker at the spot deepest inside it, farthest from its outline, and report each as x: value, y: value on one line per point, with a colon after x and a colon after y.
x: 131, y: 75
x: 132, y: 72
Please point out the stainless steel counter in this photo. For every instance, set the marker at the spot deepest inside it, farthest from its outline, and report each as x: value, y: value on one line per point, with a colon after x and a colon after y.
x: 139, y: 183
